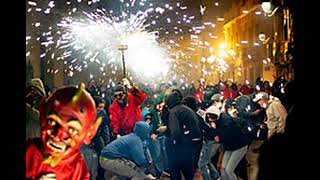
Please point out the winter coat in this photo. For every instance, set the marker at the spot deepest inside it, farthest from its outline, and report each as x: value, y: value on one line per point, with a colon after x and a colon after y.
x: 207, y: 132
x: 125, y: 118
x: 183, y: 121
x: 230, y: 133
x: 130, y: 146
x: 73, y: 167
x: 276, y: 117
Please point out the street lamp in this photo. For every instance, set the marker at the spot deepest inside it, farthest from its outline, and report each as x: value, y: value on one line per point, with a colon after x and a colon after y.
x: 122, y: 48
x: 267, y: 8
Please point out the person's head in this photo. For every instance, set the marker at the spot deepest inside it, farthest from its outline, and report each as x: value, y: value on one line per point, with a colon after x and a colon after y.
x: 262, y: 98
x: 234, y: 87
x: 217, y: 100
x: 243, y: 102
x: 100, y: 103
x: 173, y: 99
x: 191, y: 102
x: 147, y: 115
x: 212, y: 114
x: 120, y: 96
x: 91, y: 83
x: 35, y: 92
x: 67, y: 119
x: 231, y: 107
x: 266, y: 85
x: 142, y: 130
x: 148, y: 102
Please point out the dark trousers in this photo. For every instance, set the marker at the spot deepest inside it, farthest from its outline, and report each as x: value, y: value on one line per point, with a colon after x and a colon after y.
x: 183, y: 160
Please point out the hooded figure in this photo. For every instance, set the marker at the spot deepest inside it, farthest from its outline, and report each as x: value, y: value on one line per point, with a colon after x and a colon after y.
x: 35, y: 92
x: 186, y: 134
x: 125, y: 156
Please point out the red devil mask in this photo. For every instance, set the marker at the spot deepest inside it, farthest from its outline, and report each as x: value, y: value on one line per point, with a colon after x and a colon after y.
x: 67, y: 118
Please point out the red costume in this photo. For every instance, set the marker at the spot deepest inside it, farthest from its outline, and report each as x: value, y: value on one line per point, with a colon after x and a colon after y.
x: 71, y: 168
x: 126, y: 117
x: 67, y: 119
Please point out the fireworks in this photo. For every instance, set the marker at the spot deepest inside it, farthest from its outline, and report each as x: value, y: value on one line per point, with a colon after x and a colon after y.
x: 86, y: 34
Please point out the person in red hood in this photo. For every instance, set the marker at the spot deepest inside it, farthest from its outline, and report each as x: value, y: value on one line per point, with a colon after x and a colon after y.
x: 124, y: 110
x: 67, y: 119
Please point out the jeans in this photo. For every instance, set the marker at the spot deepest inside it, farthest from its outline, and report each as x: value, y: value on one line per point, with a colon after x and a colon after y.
x: 163, y: 152
x: 122, y: 167
x: 209, y: 149
x: 230, y: 161
x: 153, y: 155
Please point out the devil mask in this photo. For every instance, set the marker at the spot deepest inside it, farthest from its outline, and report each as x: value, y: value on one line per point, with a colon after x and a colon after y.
x: 67, y: 118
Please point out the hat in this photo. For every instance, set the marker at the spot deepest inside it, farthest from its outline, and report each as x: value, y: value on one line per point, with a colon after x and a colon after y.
x: 213, y: 110
x: 229, y: 102
x: 120, y: 88
x: 37, y: 84
x: 216, y: 97
x: 261, y: 95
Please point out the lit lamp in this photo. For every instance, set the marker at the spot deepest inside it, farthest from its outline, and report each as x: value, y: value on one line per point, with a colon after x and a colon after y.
x: 267, y: 7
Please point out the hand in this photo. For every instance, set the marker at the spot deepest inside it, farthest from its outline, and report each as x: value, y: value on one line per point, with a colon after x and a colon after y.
x: 48, y: 176
x: 126, y: 83
x: 162, y: 129
x: 213, y: 125
x: 154, y: 137
x: 216, y: 138
x: 118, y: 136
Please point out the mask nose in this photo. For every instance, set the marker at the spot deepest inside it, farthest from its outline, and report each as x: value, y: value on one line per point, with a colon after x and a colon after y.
x: 59, y: 134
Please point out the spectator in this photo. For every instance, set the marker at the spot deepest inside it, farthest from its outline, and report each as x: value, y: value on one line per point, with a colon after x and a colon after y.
x: 34, y: 94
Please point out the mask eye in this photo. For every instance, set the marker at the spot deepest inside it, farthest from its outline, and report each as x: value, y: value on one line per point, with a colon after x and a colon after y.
x: 72, y: 131
x: 51, y: 122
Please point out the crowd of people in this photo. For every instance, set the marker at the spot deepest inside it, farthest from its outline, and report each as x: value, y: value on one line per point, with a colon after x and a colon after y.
x: 142, y: 133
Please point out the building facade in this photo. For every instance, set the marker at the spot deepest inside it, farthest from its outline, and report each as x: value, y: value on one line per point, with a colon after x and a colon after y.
x: 262, y: 42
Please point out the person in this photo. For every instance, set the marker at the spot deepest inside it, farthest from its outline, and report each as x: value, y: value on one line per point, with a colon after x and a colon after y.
x: 276, y: 113
x: 92, y: 88
x: 211, y: 144
x: 191, y: 102
x: 124, y: 111
x: 125, y: 156
x: 186, y: 135
x: 35, y: 92
x: 67, y: 119
x: 253, y: 120
x: 234, y: 141
x: 99, y: 141
x: 152, y: 143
